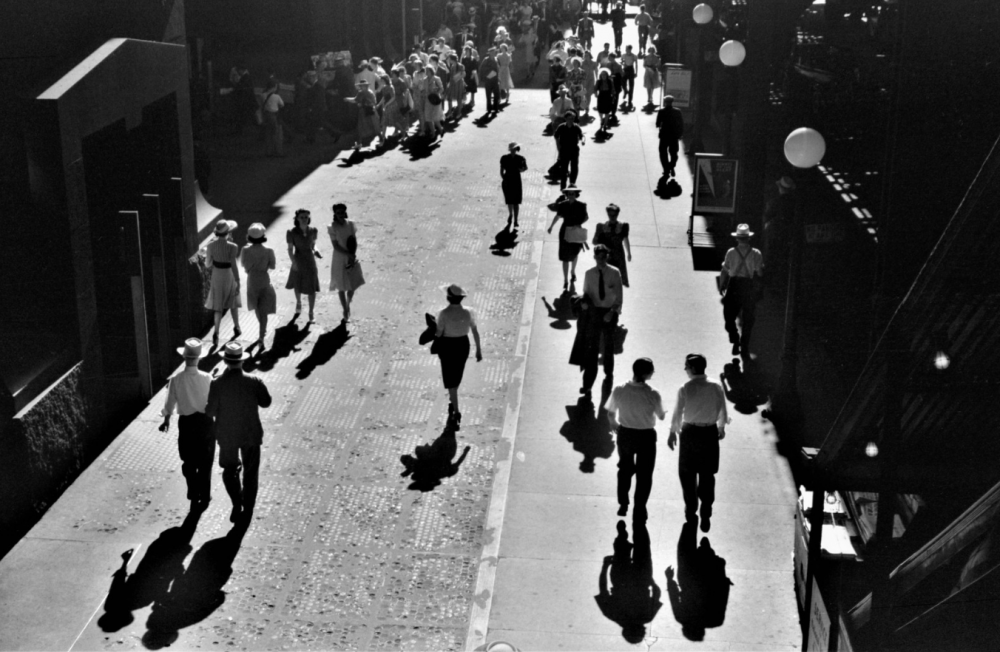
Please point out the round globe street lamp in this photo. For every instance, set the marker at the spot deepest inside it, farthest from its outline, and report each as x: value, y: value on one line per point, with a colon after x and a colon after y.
x: 732, y: 53
x: 702, y: 14
x: 804, y: 147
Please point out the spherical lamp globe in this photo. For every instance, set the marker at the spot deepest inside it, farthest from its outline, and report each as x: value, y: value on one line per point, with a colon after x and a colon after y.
x: 702, y: 14
x: 804, y: 147
x: 732, y: 53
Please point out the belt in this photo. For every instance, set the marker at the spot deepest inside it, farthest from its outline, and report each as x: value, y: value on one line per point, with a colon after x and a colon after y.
x: 699, y: 425
x: 221, y: 265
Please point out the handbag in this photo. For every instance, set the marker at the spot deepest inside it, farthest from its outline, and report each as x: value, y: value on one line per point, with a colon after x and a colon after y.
x: 369, y: 110
x: 575, y: 234
x: 434, y: 99
x: 620, y: 333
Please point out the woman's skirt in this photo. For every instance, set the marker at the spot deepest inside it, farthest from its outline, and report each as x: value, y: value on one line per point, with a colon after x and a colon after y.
x: 651, y: 79
x: 222, y: 292
x: 368, y: 126
x: 512, y: 191
x: 454, y: 353
x: 260, y: 293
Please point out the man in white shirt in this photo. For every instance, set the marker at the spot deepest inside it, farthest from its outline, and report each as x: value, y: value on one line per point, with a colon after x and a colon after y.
x: 637, y: 406
x: 742, y: 270
x: 187, y: 393
x: 642, y: 22
x: 700, y: 419
x: 601, y: 305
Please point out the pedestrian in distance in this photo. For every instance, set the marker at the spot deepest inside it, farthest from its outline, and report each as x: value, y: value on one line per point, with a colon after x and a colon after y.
x: 234, y: 400
x: 614, y: 235
x: 573, y: 214
x: 368, y: 125
x: 221, y: 256
x: 628, y: 63
x: 618, y: 25
x: 257, y: 261
x: 633, y: 409
x: 187, y: 394
x: 670, y: 123
x: 604, y: 88
x: 489, y: 77
x: 642, y: 23
x: 569, y: 138
x: 585, y: 29
x: 600, y: 308
x: 504, y: 61
x: 303, y: 277
x: 451, y: 345
x: 557, y: 112
x: 512, y: 164
x: 699, y: 420
x: 618, y: 77
x: 345, y: 270
x: 739, y: 283
x: 651, y: 76
x: 270, y: 111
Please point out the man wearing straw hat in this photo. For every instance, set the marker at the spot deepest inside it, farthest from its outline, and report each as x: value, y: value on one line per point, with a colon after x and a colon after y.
x: 742, y: 269
x: 187, y: 393
x: 234, y: 400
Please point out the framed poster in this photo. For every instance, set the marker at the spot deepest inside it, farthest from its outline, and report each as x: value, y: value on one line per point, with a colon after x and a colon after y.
x: 715, y: 180
x: 677, y: 82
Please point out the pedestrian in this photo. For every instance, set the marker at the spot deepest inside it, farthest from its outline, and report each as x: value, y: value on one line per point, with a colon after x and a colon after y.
x: 613, y: 234
x: 699, y: 420
x: 470, y: 61
x: 602, y: 56
x: 455, y: 91
x: 504, y: 61
x: 670, y: 122
x: 629, y: 61
x: 585, y: 28
x: 589, y: 67
x: 742, y: 274
x: 637, y: 406
x: 651, y: 75
x: 345, y: 270
x: 368, y: 127
x: 421, y: 72
x: 618, y: 77
x: 557, y: 112
x: 604, y: 8
x: 274, y: 133
x: 557, y: 76
x: 512, y: 164
x: 303, y: 278
x: 434, y: 107
x: 618, y: 25
x: 642, y: 24
x: 600, y: 306
x: 221, y: 256
x: 395, y: 111
x: 257, y: 261
x: 575, y: 80
x: 187, y: 393
x: 234, y: 399
x: 569, y: 139
x: 573, y: 214
x: 489, y: 77
x: 529, y: 44
x: 451, y: 344
x: 604, y: 88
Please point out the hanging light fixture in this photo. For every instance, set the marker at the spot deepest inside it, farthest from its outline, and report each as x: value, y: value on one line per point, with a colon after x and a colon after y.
x: 804, y: 147
x: 702, y: 14
x: 732, y: 53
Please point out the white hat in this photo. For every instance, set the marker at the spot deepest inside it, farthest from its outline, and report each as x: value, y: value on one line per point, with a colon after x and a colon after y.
x: 456, y: 291
x: 571, y: 190
x: 192, y: 348
x: 222, y: 227
x: 256, y: 231
x: 233, y: 352
x: 742, y: 231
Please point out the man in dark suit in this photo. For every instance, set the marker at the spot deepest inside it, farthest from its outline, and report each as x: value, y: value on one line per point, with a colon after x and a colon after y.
x: 670, y: 123
x: 233, y: 402
x: 489, y: 77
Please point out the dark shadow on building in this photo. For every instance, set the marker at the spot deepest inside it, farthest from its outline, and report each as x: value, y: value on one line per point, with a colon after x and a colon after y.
x: 699, y: 590
x: 628, y: 594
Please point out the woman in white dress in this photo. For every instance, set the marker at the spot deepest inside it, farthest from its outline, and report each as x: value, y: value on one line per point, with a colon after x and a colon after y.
x: 345, y: 270
x: 504, y: 60
x: 222, y: 255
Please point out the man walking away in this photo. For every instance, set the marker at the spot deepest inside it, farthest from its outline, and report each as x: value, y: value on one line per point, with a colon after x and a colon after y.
x: 569, y: 139
x: 741, y: 278
x: 700, y: 420
x: 233, y: 403
x: 637, y: 406
x: 670, y: 122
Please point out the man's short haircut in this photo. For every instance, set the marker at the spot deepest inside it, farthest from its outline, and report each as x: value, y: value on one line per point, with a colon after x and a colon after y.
x: 642, y: 367
x: 602, y: 249
x: 696, y: 362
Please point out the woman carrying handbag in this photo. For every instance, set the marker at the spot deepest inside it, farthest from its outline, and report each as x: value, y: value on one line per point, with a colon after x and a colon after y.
x: 572, y: 235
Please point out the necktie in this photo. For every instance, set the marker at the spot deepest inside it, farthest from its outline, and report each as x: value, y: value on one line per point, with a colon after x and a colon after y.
x: 600, y: 284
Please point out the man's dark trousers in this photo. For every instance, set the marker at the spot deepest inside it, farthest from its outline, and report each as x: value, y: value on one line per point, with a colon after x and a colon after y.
x: 643, y: 36
x: 196, y: 447
x: 739, y: 302
x: 669, y: 150
x: 697, y: 465
x: 569, y: 167
x: 232, y: 459
x: 636, y: 456
x: 606, y: 332
x: 492, y: 88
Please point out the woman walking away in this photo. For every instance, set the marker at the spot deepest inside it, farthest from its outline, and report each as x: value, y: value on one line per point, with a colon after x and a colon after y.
x: 368, y: 123
x: 303, y: 278
x: 257, y: 261
x: 452, y: 347
x: 614, y: 235
x: 345, y: 270
x: 573, y: 214
x: 224, y: 291
x: 512, y: 165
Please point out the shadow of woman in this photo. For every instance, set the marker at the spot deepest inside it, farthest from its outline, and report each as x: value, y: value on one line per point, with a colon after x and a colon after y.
x: 286, y: 341
x: 195, y: 594
x: 744, y: 389
x: 160, y: 565
x: 589, y: 433
x: 431, y: 463
x: 560, y: 311
x: 633, y: 598
x: 504, y: 241
x: 325, y: 348
x: 699, y: 594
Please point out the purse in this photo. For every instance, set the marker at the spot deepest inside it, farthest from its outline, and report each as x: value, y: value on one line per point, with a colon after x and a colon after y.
x: 369, y: 110
x: 620, y: 333
x: 575, y: 234
x: 434, y: 99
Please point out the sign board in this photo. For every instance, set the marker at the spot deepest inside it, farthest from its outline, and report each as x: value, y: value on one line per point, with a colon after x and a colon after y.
x: 715, y: 180
x: 819, y: 623
x: 678, y: 84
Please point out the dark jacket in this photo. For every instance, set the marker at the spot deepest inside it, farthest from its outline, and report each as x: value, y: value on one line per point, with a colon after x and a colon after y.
x: 233, y: 402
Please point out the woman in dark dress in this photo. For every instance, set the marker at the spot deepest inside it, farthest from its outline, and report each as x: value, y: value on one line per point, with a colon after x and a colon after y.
x: 512, y: 165
x: 605, y: 91
x: 573, y: 213
x: 304, y: 277
x: 470, y: 59
x: 614, y: 235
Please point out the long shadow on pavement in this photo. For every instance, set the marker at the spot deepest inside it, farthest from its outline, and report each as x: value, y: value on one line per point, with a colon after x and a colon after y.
x: 699, y: 593
x: 589, y: 433
x: 628, y: 594
x: 325, y: 348
x: 431, y: 463
x: 286, y: 341
x: 745, y: 388
x: 560, y: 311
x: 504, y: 241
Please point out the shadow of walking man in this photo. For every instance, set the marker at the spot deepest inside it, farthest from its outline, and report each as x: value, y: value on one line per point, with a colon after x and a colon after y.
x: 699, y: 594
x: 633, y: 598
x: 589, y: 433
x: 504, y: 241
x: 744, y: 389
x: 431, y: 463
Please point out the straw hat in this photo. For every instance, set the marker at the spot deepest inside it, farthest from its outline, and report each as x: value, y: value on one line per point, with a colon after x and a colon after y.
x: 222, y: 227
x: 233, y: 352
x: 742, y: 231
x: 193, y: 348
